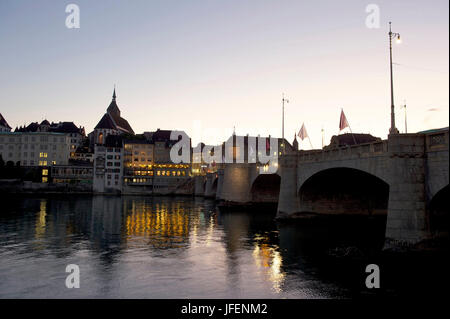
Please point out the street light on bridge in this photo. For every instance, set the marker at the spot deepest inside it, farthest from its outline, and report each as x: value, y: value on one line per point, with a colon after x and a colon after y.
x: 392, y: 35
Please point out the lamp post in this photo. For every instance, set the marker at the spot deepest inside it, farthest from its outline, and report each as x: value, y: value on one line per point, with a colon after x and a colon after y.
x: 392, y: 35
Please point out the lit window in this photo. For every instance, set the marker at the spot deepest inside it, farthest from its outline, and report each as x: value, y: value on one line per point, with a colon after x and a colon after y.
x: 44, y: 179
x: 44, y: 155
x: 44, y: 172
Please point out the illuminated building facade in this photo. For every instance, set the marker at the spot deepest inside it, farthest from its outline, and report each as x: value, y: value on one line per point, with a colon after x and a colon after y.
x: 138, y: 162
x: 35, y: 148
x: 108, y: 166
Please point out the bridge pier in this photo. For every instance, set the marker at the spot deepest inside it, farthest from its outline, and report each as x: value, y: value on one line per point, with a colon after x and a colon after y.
x: 288, y: 202
x: 406, y: 220
x: 199, y: 185
x: 219, y: 190
x: 210, y: 192
x: 236, y: 184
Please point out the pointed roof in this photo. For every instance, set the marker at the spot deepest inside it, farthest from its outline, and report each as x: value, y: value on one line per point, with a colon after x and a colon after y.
x: 45, y: 122
x: 113, y: 120
x: 106, y: 122
x: 295, y: 142
x: 113, y: 108
x: 3, y: 122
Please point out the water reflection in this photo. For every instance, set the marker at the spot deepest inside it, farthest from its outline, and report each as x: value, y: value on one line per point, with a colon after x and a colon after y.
x: 154, y: 247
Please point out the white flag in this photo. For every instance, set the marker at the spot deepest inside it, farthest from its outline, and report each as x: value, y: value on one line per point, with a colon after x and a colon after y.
x: 303, y: 134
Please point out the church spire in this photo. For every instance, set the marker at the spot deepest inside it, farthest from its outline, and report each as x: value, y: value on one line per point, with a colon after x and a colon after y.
x: 114, y: 93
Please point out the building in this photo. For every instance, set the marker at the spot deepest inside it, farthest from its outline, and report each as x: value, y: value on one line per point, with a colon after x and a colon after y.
x: 138, y: 161
x: 108, y: 168
x: 35, y: 148
x: 146, y: 171
x: 74, y: 175
x: 4, y: 126
x: 111, y: 124
x: 77, y: 134
x: 108, y: 148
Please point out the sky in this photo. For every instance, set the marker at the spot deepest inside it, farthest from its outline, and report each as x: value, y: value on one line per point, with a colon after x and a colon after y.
x: 223, y: 65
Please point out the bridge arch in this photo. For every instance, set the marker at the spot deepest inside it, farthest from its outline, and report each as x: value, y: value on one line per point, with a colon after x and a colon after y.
x: 344, y: 191
x: 265, y: 188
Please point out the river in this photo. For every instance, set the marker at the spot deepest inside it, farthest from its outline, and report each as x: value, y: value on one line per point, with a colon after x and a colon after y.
x: 176, y: 247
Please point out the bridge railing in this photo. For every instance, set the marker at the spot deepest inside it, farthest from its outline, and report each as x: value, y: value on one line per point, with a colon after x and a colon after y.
x: 350, y: 151
x: 437, y: 140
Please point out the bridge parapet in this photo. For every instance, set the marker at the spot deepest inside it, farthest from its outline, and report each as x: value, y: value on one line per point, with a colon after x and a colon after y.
x: 348, y: 152
x: 437, y: 141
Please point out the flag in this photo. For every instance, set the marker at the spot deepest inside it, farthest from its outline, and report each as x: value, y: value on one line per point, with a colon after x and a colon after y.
x: 302, y: 133
x: 343, y: 121
x: 267, y: 145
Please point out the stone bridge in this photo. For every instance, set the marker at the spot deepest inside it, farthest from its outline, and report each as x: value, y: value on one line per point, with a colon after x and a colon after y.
x: 404, y: 177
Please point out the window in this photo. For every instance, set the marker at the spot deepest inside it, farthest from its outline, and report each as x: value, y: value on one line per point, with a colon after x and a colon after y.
x: 44, y: 179
x: 42, y: 163
x: 45, y: 172
x: 44, y: 155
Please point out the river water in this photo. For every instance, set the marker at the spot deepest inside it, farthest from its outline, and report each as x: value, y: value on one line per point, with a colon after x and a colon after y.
x: 174, y: 247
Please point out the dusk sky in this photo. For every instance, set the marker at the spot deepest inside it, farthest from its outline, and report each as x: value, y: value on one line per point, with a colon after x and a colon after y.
x: 226, y: 63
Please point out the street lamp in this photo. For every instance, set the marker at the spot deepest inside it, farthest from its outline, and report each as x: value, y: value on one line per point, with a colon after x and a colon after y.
x: 392, y: 35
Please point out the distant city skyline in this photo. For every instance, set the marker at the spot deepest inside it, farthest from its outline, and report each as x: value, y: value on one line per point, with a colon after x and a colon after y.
x: 226, y: 64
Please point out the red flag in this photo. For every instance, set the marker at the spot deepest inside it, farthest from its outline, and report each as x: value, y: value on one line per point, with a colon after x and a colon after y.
x: 343, y: 121
x: 267, y: 145
x: 302, y: 133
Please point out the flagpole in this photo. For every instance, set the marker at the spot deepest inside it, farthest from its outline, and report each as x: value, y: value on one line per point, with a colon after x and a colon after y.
x: 322, y: 136
x: 354, y: 140
x: 310, y: 142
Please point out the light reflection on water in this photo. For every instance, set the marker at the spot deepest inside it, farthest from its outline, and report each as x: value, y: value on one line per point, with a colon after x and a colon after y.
x: 135, y: 247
